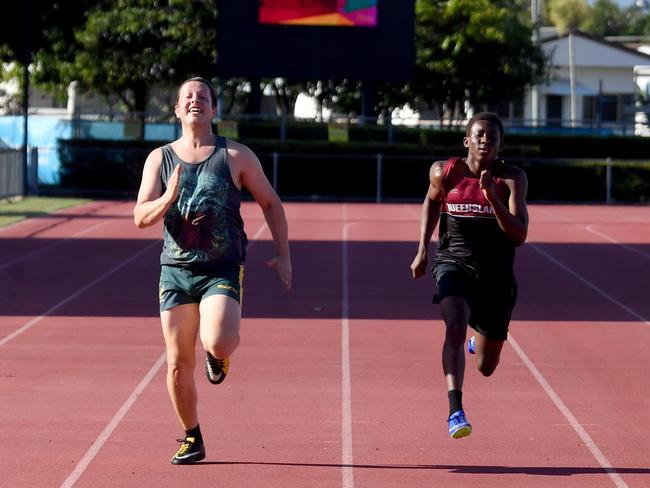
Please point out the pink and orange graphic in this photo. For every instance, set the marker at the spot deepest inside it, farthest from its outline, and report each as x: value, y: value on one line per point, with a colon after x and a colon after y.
x: 319, y: 12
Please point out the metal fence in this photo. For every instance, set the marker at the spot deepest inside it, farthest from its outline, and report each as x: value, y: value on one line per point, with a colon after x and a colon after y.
x: 386, y: 178
x: 11, y: 173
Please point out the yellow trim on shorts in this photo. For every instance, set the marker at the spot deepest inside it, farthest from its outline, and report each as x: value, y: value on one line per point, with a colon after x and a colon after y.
x: 241, y: 285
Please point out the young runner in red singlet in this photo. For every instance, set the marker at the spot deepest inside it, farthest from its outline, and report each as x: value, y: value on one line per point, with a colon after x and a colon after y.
x: 480, y: 203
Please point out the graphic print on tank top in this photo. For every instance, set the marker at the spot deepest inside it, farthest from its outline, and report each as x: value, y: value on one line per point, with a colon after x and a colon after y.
x: 204, y: 225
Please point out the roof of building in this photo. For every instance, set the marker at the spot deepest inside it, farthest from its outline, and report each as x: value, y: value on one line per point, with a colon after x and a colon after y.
x: 593, y: 51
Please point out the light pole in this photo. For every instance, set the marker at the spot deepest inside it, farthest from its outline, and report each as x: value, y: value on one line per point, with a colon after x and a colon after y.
x: 572, y: 78
x: 27, y: 57
x: 535, y: 5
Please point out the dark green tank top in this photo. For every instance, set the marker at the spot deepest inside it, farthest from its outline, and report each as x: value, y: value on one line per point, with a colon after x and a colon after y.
x: 203, y: 228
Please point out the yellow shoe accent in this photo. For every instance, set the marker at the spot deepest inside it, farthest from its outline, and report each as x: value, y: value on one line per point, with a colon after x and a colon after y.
x: 216, y: 369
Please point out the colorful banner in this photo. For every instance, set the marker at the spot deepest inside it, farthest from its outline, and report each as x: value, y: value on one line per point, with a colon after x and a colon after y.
x: 348, y: 13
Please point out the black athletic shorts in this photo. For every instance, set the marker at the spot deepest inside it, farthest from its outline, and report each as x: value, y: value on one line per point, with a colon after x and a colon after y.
x: 491, y: 300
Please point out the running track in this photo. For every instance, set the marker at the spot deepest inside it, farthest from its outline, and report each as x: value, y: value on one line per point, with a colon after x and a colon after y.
x: 337, y: 383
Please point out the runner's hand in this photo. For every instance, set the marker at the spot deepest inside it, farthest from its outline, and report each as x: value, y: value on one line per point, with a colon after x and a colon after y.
x: 419, y: 265
x: 283, y: 267
x: 486, y: 183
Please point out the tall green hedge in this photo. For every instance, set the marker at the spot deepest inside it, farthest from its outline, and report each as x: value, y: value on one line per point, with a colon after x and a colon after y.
x: 559, y: 168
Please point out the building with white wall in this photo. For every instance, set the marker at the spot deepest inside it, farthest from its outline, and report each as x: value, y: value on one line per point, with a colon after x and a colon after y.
x: 591, y: 82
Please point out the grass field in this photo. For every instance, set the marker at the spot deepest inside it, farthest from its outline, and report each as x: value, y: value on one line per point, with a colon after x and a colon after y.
x: 16, y: 210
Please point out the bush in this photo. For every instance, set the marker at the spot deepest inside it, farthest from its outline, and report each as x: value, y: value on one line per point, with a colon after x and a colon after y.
x: 102, y: 166
x: 311, y: 167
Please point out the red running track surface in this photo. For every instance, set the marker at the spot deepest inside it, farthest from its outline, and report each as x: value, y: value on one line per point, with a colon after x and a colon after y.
x: 337, y: 383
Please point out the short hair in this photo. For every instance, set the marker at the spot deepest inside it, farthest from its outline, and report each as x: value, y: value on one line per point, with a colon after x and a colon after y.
x: 490, y: 117
x: 200, y: 79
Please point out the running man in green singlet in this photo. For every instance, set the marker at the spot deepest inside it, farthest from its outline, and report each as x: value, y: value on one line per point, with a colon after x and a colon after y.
x: 480, y: 202
x: 194, y: 186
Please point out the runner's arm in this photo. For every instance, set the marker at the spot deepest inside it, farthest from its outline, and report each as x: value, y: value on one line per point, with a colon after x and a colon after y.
x: 152, y: 203
x: 253, y: 178
x: 430, y: 215
x: 513, y: 216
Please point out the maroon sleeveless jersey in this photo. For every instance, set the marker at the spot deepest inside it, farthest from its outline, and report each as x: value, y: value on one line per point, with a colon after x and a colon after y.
x: 469, y: 232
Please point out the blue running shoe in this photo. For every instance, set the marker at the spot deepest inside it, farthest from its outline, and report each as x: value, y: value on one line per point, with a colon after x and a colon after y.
x: 458, y: 425
x: 471, y: 345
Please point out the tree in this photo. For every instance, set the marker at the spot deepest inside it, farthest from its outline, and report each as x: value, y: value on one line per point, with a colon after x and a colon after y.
x: 479, y: 51
x: 567, y: 14
x: 124, y: 47
x: 638, y: 22
x: 33, y: 25
x: 605, y: 18
x: 37, y: 26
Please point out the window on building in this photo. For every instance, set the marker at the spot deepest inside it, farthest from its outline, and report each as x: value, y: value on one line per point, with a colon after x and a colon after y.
x: 606, y: 108
x: 589, y: 108
x: 554, y: 110
x: 512, y: 110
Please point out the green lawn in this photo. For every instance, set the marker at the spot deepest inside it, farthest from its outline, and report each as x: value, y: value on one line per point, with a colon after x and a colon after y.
x: 14, y: 211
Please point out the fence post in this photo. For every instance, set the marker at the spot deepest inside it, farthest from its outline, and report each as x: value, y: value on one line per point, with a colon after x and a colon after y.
x: 276, y: 167
x: 380, y: 161
x: 283, y: 127
x: 32, y: 177
x: 608, y: 181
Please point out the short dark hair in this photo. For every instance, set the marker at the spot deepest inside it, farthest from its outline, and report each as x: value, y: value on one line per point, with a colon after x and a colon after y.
x: 490, y: 117
x: 200, y: 79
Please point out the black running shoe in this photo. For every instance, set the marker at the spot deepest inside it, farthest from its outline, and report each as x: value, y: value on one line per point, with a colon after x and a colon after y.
x: 215, y: 369
x: 189, y: 452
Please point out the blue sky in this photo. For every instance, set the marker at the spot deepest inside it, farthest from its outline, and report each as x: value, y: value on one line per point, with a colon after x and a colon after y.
x: 621, y: 3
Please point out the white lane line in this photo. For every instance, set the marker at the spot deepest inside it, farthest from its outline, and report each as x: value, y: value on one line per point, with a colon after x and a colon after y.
x: 112, y: 425
x: 53, y: 245
x: 582, y: 433
x: 95, y: 206
x: 346, y: 397
x: 617, y: 242
x: 36, y: 320
x: 257, y: 234
x: 589, y: 284
x: 126, y: 406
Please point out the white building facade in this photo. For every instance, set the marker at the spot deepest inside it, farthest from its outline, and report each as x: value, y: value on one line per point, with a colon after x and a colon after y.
x: 591, y: 83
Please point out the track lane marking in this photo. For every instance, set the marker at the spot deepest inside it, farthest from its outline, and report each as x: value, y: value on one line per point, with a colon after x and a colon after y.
x: 555, y: 398
x: 347, y: 458
x: 564, y: 410
x: 53, y: 245
x: 112, y: 425
x: 589, y: 284
x: 615, y: 241
x: 81, y: 290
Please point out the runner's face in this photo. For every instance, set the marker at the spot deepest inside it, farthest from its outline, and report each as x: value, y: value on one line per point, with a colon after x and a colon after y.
x: 484, y: 141
x: 194, y: 103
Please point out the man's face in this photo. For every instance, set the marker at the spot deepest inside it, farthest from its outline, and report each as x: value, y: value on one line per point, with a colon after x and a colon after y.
x: 484, y: 140
x: 194, y: 102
